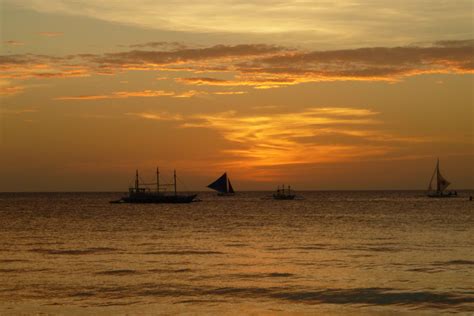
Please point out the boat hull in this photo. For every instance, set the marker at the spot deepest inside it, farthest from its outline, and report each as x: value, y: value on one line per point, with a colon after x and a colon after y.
x: 157, y: 199
x: 442, y: 195
x: 283, y: 197
x: 225, y: 194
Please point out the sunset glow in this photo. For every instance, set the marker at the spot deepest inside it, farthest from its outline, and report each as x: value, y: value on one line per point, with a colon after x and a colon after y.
x: 269, y: 90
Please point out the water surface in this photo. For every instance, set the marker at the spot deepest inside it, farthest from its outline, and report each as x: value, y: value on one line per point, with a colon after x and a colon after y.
x: 330, y: 253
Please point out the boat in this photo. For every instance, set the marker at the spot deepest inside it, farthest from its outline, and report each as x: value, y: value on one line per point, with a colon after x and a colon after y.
x: 441, y: 185
x: 222, y: 185
x: 284, y: 194
x: 141, y: 193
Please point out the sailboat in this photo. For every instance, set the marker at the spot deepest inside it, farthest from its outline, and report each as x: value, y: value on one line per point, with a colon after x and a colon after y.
x: 140, y: 193
x: 441, y: 185
x: 284, y: 194
x: 222, y: 185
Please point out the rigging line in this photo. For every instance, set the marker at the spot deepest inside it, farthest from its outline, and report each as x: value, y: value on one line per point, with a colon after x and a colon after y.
x: 184, y: 185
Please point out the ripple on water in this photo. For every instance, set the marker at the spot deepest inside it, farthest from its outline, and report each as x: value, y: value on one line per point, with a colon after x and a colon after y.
x: 184, y: 252
x: 261, y: 275
x: 169, y: 270
x: 86, y: 251
x: 118, y: 272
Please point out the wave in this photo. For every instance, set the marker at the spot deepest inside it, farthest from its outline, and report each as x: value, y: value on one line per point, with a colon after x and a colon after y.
x: 185, y: 252
x: 261, y: 275
x: 86, y: 251
x: 118, y: 272
x: 453, y: 262
x: 169, y: 270
x: 13, y: 260
x: 22, y: 270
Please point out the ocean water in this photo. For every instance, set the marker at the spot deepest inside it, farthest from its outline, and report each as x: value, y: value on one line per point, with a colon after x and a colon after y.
x: 331, y: 253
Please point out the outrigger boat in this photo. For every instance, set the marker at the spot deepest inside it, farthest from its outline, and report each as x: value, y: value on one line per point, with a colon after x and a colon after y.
x: 441, y: 185
x: 140, y: 193
x: 222, y: 185
x: 284, y: 194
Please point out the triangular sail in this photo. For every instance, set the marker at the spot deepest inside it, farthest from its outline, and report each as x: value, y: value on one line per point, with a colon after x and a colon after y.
x: 231, y: 189
x: 220, y: 185
x: 442, y: 182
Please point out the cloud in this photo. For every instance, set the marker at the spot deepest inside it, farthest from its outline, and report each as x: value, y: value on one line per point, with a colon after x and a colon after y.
x: 26, y: 66
x: 161, y: 45
x: 314, y: 135
x: 120, y: 95
x: 377, y: 63
x: 14, y: 43
x: 18, y: 111
x: 8, y: 91
x: 253, y: 65
x: 258, y: 83
x: 7, y: 88
x: 229, y: 92
x: 164, y: 116
x: 179, y: 56
x: 287, y: 68
x: 346, y: 22
x: 50, y: 34
x: 147, y: 94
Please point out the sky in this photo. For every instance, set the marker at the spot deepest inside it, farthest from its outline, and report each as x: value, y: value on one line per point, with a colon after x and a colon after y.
x: 322, y: 95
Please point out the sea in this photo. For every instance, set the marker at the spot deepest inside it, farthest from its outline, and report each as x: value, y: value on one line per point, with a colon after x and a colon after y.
x: 325, y: 253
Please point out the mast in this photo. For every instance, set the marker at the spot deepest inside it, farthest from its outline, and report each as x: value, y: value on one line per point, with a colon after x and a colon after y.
x: 175, y: 193
x: 157, y: 180
x: 438, y: 188
x: 136, y: 180
x: 430, y: 187
x: 226, y: 183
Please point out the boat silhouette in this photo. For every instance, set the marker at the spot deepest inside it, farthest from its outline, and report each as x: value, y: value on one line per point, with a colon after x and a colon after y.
x: 222, y: 185
x: 284, y: 194
x: 141, y: 193
x: 441, y: 185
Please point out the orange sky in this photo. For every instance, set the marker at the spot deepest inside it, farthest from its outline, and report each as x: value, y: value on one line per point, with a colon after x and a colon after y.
x: 341, y: 95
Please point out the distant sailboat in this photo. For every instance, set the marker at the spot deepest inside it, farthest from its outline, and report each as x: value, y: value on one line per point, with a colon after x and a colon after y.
x: 441, y: 185
x: 284, y: 194
x: 222, y: 185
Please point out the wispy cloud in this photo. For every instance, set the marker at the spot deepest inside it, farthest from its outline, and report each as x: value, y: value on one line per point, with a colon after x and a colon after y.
x: 50, y: 34
x: 351, y: 22
x: 19, y: 111
x: 14, y: 43
x: 8, y: 88
x: 314, y: 135
x: 11, y: 90
x: 164, y: 116
x: 120, y: 95
x: 161, y: 45
x: 147, y: 94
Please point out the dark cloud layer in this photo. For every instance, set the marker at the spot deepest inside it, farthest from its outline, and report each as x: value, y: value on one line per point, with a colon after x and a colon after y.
x: 369, y: 62
x: 257, y: 65
x: 187, y: 54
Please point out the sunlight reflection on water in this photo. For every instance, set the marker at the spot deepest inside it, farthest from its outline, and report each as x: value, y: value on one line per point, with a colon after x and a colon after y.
x: 333, y: 252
